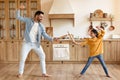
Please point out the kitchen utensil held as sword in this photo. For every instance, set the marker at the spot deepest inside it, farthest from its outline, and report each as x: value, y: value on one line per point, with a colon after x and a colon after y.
x: 71, y: 37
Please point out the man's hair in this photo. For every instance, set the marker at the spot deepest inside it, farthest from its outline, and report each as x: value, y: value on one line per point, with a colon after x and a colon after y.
x: 95, y: 32
x: 38, y: 13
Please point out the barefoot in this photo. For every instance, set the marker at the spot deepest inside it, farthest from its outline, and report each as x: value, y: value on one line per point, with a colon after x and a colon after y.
x: 19, y: 75
x: 108, y: 76
x: 80, y: 75
x: 77, y: 75
x: 46, y: 75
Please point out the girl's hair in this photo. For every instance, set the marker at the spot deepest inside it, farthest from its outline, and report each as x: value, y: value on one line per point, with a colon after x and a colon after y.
x: 38, y: 13
x: 95, y: 32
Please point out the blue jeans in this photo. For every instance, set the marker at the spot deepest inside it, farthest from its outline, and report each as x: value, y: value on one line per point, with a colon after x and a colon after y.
x: 90, y: 59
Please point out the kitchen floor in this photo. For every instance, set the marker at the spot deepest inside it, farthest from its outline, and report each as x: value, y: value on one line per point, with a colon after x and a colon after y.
x: 59, y: 72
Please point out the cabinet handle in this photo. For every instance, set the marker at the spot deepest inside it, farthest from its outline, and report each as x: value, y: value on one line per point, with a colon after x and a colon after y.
x: 83, y: 46
x: 109, y: 41
x: 72, y: 45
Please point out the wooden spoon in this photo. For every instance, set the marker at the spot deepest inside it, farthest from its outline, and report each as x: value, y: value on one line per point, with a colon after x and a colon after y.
x: 111, y: 27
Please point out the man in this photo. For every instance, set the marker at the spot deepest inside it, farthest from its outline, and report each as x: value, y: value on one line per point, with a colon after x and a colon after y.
x: 32, y: 37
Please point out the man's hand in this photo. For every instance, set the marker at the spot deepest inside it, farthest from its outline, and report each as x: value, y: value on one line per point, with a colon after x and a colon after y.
x: 56, y: 39
x: 22, y: 7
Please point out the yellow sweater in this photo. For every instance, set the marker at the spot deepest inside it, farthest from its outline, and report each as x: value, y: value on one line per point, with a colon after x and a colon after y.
x: 95, y: 44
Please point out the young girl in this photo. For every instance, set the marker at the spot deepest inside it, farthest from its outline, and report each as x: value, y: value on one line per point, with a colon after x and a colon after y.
x: 95, y: 44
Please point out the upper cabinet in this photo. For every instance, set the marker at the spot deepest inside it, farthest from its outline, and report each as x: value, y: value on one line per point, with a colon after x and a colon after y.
x: 2, y: 19
x: 10, y: 27
x: 31, y: 6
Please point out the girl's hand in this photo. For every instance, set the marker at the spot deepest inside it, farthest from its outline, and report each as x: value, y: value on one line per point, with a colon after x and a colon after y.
x: 76, y: 43
x: 97, y: 27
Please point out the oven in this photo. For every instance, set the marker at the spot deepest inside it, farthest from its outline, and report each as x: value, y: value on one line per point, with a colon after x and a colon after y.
x: 61, y: 52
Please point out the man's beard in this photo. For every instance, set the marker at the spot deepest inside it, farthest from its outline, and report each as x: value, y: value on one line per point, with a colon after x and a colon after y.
x: 39, y: 20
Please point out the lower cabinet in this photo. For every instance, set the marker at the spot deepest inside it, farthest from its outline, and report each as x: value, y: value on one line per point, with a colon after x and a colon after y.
x: 110, y: 50
x: 118, y: 52
x: 3, y: 55
x: 73, y: 52
x: 12, y: 49
x: 47, y: 48
x: 82, y: 53
x: 78, y: 53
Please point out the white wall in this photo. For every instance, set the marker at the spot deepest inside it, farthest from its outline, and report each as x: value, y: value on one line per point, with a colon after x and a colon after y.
x: 82, y: 9
x: 117, y: 17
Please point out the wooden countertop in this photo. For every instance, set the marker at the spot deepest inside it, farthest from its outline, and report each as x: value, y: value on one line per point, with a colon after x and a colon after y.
x: 66, y: 40
x: 82, y: 40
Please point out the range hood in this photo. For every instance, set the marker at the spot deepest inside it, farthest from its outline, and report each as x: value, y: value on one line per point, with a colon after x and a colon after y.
x: 61, y: 9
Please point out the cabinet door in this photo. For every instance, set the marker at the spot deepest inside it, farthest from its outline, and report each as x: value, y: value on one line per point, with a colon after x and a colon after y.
x: 24, y: 13
x: 118, y: 51
x: 34, y: 6
x: 12, y: 24
x: 82, y: 53
x: 3, y: 18
x: 2, y: 51
x: 110, y: 48
x: 73, y: 56
x: 114, y: 48
x: 31, y: 6
x: 13, y: 51
x: 47, y: 47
